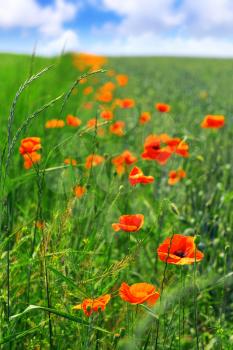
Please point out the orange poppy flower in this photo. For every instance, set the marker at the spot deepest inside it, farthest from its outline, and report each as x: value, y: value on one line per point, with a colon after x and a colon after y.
x: 92, y: 123
x: 83, y: 61
x: 175, y: 176
x: 122, y: 79
x: 30, y: 145
x: 129, y: 223
x: 93, y: 160
x: 106, y: 114
x: 145, y: 117
x: 117, y: 128
x: 93, y: 305
x: 126, y: 103
x: 136, y: 176
x: 213, y: 122
x: 178, y: 146
x: 124, y: 159
x: 30, y: 159
x: 55, y: 123
x: 70, y: 161
x: 179, y: 250
x: 154, y: 151
x: 104, y: 96
x: 79, y: 191
x: 163, y: 107
x: 72, y: 121
x: 88, y: 90
x: 108, y: 86
x: 139, y: 293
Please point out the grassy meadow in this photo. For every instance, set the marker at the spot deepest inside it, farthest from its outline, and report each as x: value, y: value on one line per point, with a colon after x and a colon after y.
x: 58, y: 247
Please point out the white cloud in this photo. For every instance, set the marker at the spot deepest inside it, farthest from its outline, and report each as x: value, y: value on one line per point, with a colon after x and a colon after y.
x: 152, y: 44
x: 191, y: 17
x: 48, y: 20
x: 168, y: 27
x: 67, y: 41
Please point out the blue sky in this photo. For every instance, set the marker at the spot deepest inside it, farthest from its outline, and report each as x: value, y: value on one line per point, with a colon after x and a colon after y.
x: 118, y: 27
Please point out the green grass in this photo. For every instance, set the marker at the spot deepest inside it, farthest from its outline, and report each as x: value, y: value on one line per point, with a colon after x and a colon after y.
x: 78, y: 254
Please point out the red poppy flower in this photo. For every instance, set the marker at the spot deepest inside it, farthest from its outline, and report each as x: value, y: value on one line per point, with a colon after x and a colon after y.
x: 145, y: 117
x: 178, y: 146
x: 106, y: 114
x: 123, y: 160
x: 154, y: 151
x: 72, y: 121
x: 93, y: 160
x: 175, y: 176
x: 129, y: 223
x: 126, y: 103
x: 93, y: 305
x: 136, y: 176
x: 117, y: 128
x: 162, y: 107
x: 30, y: 145
x: 30, y: 159
x: 179, y: 250
x: 139, y: 293
x: 213, y: 121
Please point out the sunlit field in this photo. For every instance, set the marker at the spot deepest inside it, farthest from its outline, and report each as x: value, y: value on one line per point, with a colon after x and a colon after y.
x: 116, y: 203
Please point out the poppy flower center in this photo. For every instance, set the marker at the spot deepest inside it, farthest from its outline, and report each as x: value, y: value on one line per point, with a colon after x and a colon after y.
x: 180, y: 253
x: 156, y: 147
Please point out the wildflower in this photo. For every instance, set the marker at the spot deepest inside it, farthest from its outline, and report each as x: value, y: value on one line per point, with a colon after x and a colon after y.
x: 117, y: 128
x: 70, y: 161
x: 55, y: 123
x: 162, y: 107
x: 30, y: 159
x: 139, y: 293
x: 175, y: 176
x: 88, y: 90
x: 136, y: 176
x: 30, y: 145
x: 213, y: 121
x: 93, y: 160
x: 179, y: 250
x: 93, y: 305
x: 178, y: 146
x: 84, y: 61
x: 122, y: 79
x: 154, y: 151
x: 129, y: 223
x: 126, y: 103
x: 106, y: 114
x: 144, y: 118
x: 104, y: 96
x: 79, y: 191
x: 123, y: 160
x: 72, y: 121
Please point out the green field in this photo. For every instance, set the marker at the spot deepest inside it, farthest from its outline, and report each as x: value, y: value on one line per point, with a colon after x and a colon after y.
x: 77, y: 254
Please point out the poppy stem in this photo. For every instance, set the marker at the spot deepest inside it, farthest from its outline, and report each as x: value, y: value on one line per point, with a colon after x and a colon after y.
x: 195, y: 300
